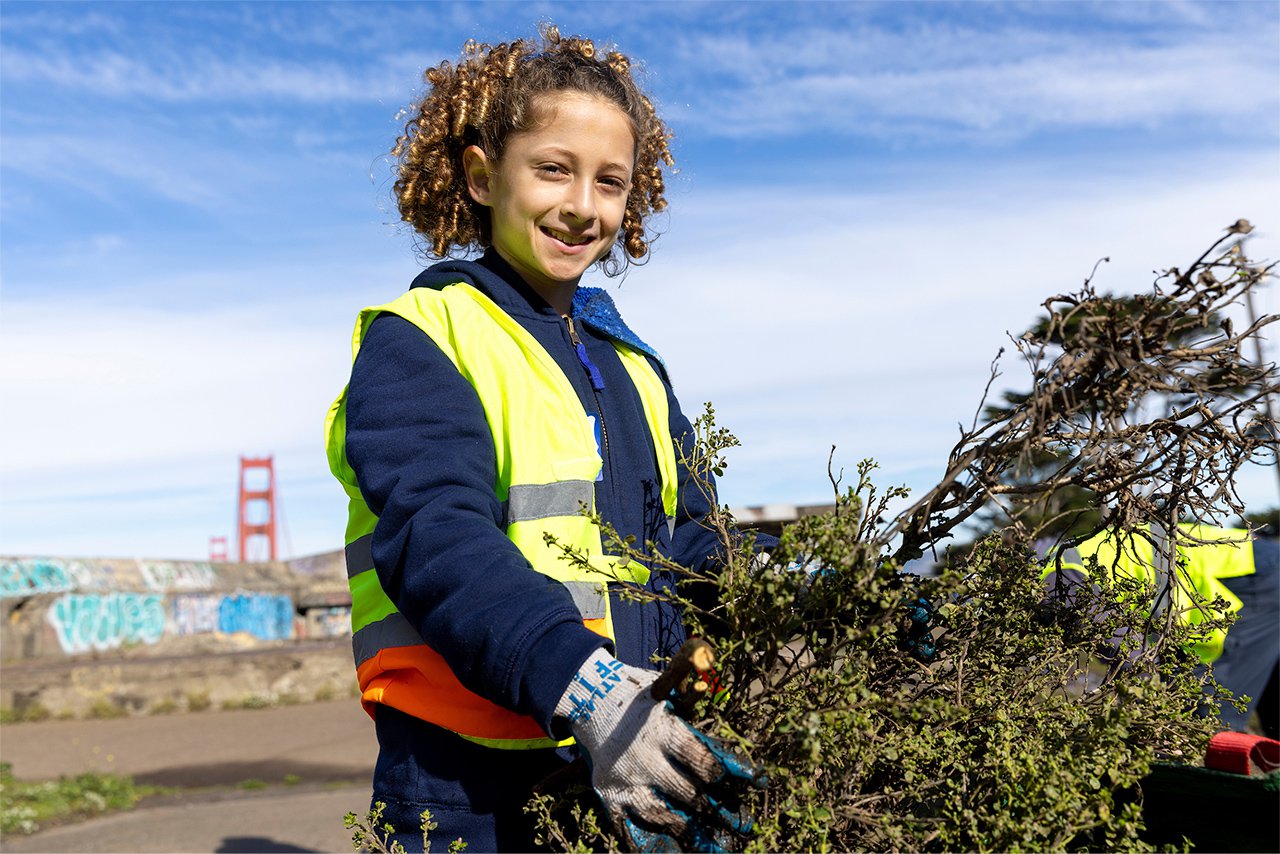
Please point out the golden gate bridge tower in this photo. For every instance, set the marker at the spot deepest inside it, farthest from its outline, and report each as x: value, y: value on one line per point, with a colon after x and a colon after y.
x: 257, y: 513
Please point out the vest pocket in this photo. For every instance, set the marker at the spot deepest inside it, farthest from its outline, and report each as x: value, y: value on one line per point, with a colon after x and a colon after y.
x: 578, y: 468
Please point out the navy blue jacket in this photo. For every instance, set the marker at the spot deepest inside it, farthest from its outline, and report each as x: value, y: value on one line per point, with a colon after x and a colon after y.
x: 423, y: 455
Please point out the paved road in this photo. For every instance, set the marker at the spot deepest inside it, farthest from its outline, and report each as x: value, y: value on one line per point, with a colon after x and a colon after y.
x: 275, y: 820
x: 328, y: 747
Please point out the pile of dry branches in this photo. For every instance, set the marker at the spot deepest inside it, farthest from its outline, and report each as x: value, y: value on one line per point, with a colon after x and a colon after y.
x: 961, y: 712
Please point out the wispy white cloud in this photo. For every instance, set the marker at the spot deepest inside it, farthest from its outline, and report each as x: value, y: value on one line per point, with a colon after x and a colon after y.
x: 131, y: 420
x: 34, y: 22
x: 929, y: 76
x: 200, y: 75
x: 98, y: 165
x: 940, y: 81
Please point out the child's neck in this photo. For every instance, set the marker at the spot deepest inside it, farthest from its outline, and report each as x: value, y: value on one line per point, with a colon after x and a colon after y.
x: 558, y: 295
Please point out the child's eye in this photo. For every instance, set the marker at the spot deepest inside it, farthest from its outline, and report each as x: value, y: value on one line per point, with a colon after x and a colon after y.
x: 550, y: 169
x: 614, y: 183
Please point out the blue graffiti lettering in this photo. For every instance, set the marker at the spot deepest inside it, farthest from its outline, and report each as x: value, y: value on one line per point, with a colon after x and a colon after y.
x: 264, y: 615
x: 28, y: 577
x: 84, y: 622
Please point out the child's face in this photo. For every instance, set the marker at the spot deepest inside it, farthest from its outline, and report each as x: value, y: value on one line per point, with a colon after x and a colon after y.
x: 557, y: 197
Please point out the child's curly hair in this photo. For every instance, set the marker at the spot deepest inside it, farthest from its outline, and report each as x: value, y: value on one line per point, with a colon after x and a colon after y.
x: 489, y: 95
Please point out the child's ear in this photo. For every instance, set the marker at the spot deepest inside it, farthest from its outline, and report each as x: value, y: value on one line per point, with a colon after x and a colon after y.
x: 478, y: 168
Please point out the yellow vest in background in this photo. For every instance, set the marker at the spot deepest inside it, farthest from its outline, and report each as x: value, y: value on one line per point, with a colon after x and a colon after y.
x: 547, y: 465
x: 1227, y: 553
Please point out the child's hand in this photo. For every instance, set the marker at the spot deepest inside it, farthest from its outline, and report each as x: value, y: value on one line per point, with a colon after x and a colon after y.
x: 654, y: 773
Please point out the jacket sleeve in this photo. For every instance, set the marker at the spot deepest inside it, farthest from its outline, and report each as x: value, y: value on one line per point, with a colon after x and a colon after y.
x: 423, y: 455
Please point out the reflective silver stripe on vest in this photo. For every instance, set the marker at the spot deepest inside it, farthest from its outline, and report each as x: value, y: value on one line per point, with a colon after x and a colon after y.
x: 591, y: 597
x: 1163, y: 564
x: 359, y: 555
x: 528, y: 502
x: 1072, y: 556
x: 391, y: 631
x: 671, y: 527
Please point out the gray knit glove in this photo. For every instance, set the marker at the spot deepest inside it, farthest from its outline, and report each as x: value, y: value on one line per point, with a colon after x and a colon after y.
x: 656, y: 775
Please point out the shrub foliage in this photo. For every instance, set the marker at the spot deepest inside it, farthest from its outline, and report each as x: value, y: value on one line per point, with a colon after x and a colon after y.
x: 966, y: 710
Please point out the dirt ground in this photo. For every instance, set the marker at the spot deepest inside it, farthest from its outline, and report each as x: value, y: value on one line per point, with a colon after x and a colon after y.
x: 316, y: 760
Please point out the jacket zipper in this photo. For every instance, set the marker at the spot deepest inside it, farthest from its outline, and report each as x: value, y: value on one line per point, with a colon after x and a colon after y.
x: 591, y: 369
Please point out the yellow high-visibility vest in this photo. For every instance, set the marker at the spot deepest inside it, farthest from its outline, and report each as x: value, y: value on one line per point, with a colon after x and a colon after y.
x: 1226, y: 553
x: 547, y: 463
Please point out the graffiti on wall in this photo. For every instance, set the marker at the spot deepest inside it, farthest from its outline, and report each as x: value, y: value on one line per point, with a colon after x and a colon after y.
x: 84, y: 622
x: 332, y: 622
x: 30, y: 576
x: 195, y: 614
x: 177, y: 576
x: 25, y: 577
x: 98, y: 604
x: 33, y: 576
x: 266, y: 616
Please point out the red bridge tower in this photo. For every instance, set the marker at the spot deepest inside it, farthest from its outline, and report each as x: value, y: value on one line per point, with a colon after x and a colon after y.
x: 257, y: 509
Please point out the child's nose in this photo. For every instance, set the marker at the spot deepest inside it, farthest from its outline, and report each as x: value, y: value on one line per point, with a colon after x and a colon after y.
x: 580, y: 201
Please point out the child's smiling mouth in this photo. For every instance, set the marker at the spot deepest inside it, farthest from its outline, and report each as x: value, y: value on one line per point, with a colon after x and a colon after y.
x: 566, y: 238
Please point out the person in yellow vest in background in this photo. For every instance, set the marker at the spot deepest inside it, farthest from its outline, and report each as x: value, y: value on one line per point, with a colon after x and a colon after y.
x: 1227, y: 563
x: 487, y: 406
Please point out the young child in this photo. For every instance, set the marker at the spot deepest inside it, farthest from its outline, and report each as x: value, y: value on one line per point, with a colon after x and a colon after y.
x: 486, y: 407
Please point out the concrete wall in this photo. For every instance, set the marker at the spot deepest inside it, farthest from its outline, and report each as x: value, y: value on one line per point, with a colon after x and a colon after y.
x: 55, y: 609
x: 74, y: 609
x: 82, y: 686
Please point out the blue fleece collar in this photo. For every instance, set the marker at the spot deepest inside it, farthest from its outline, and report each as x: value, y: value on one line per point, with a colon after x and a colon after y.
x: 595, y: 308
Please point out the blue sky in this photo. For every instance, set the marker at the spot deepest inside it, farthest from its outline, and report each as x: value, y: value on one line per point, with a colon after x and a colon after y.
x: 196, y: 202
